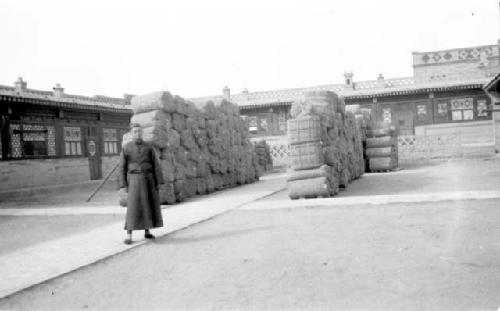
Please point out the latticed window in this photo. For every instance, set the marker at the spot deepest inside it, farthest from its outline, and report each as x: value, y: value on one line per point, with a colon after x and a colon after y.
x: 72, y: 141
x: 422, y: 112
x: 481, y: 108
x: 462, y: 109
x: 32, y: 140
x: 386, y: 115
x: 443, y: 110
x: 110, y: 138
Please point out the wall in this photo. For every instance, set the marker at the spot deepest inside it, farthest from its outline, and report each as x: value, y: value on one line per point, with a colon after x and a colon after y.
x: 18, y: 174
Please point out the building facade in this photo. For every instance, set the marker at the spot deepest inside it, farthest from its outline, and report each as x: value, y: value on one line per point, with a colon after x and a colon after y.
x: 50, y: 137
x: 444, y: 97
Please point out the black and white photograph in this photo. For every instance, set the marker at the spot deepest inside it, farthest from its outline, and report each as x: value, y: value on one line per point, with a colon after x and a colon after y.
x: 250, y: 155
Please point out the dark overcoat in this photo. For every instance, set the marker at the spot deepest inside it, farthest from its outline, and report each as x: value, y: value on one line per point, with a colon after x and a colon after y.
x: 141, y: 174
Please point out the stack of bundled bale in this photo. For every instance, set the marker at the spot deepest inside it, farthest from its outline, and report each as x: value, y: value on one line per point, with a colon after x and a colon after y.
x: 382, y: 148
x: 201, y: 148
x: 326, y: 149
x: 264, y: 158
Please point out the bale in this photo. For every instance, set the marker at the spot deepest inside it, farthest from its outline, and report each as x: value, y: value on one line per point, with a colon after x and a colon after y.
x: 377, y: 142
x: 380, y: 152
x: 178, y: 122
x: 201, y: 186
x: 303, y: 129
x: 173, y: 139
x: 153, y: 101
x: 180, y: 190
x: 152, y: 118
x: 382, y: 164
x: 168, y: 170
x: 156, y: 135
x: 309, y: 188
x: 187, y: 140
x: 306, y: 156
x: 127, y: 137
x: 322, y: 171
x: 167, y: 193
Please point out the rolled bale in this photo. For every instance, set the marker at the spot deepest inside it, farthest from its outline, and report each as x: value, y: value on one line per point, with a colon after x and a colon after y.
x: 173, y: 139
x: 378, y: 142
x: 380, y: 152
x: 167, y: 193
x: 322, y: 171
x: 152, y: 118
x: 190, y: 169
x: 168, y: 170
x: 309, y: 188
x: 178, y: 122
x: 210, y: 110
x: 153, y: 101
x: 306, y: 156
x: 191, y: 187
x: 382, y: 164
x: 187, y: 140
x: 210, y: 183
x: 201, y: 186
x: 181, y: 105
x: 180, y: 190
x: 156, y: 135
x: 323, y: 104
x: 181, y: 155
x: 303, y: 129
x: 127, y: 137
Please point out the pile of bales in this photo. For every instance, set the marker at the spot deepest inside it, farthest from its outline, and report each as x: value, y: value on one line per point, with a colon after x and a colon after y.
x: 382, y: 148
x: 201, y: 149
x: 326, y: 146
x: 264, y: 158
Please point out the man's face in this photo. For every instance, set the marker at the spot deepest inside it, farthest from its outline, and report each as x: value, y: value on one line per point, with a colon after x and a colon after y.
x: 136, y: 133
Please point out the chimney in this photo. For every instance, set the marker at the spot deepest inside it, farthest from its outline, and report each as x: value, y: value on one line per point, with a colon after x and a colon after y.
x: 20, y: 85
x: 58, y: 91
x: 226, y: 93
x: 348, y: 80
x: 381, y: 81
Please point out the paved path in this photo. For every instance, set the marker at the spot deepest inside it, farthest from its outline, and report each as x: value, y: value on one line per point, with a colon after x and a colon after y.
x: 375, y: 199
x: 32, y: 265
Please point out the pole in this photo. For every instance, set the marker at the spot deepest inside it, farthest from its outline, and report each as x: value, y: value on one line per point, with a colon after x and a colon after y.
x: 102, y: 182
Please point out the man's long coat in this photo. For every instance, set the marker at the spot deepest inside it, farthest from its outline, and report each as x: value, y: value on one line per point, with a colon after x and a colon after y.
x: 141, y: 173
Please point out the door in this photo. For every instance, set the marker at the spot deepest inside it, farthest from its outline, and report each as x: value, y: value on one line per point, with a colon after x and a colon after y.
x: 92, y: 144
x: 404, y: 122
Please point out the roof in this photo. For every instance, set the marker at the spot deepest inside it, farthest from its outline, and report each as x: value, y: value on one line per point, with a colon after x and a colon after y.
x: 98, y: 102
x: 492, y: 82
x: 363, y: 89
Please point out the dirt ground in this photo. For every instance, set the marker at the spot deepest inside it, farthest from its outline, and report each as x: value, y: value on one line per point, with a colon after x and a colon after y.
x: 436, y: 256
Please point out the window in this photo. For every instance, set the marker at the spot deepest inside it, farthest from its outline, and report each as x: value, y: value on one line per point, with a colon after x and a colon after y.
x: 422, y: 112
x: 462, y: 109
x: 72, y: 141
x: 263, y: 124
x: 32, y: 140
x: 282, y: 122
x: 386, y: 115
x: 481, y: 108
x: 252, y: 124
x: 110, y: 141
x: 443, y: 110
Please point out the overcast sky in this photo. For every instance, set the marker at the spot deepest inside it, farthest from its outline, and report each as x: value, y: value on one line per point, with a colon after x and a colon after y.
x: 194, y: 48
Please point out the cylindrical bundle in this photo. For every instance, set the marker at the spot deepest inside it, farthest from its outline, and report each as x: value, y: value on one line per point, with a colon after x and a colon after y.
x: 201, y: 186
x: 191, y: 186
x: 167, y: 193
x: 332, y: 156
x: 210, y: 183
x: 126, y: 138
x: 152, y: 118
x: 210, y: 110
x: 180, y: 190
x: 322, y: 103
x: 201, y: 138
x: 181, y: 155
x: 380, y: 152
x: 173, y: 139
x: 202, y: 169
x: 303, y: 129
x: 178, y: 122
x: 322, y: 171
x: 306, y: 156
x: 309, y: 188
x: 155, y: 135
x: 168, y: 170
x: 191, y: 169
x: 180, y: 105
x: 187, y: 140
x: 382, y: 164
x: 153, y: 101
x: 384, y: 141
x: 180, y: 171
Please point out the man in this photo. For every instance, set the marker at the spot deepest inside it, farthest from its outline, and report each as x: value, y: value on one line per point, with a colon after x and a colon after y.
x: 140, y: 176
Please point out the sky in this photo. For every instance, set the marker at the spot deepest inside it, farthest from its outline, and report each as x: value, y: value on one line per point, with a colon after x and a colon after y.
x: 194, y: 48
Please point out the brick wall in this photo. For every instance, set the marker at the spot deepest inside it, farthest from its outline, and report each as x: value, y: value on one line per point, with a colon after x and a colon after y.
x: 38, y: 173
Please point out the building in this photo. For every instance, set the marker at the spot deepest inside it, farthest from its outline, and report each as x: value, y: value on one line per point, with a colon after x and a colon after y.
x: 442, y: 106
x: 51, y: 137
